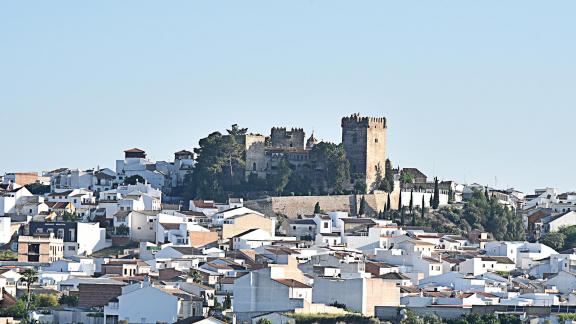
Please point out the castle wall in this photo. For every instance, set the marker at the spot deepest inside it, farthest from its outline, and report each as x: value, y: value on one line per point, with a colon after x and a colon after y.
x: 293, y: 206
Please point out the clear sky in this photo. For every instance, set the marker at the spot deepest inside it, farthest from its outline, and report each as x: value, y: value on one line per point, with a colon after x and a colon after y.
x: 473, y: 90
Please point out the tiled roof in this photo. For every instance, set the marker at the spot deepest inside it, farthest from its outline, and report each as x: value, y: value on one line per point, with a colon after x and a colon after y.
x: 291, y: 283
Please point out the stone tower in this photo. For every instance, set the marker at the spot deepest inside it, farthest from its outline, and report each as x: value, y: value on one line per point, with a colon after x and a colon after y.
x: 364, y: 140
x: 283, y: 138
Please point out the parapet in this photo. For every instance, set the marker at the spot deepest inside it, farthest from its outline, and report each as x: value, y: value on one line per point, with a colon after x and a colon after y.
x: 356, y: 120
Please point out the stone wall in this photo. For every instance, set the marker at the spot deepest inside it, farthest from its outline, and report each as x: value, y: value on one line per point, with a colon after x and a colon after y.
x: 293, y: 206
x: 304, y: 205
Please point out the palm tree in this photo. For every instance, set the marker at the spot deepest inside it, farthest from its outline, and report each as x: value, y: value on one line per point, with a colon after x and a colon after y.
x: 29, y: 276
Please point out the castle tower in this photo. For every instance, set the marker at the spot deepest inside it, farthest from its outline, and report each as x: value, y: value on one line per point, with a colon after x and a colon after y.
x: 280, y: 137
x: 364, y: 140
x: 311, y: 142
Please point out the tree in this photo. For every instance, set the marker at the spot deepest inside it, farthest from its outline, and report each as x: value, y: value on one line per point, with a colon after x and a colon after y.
x: 196, y: 276
x: 282, y: 176
x: 388, y: 204
x: 411, y: 205
x: 317, y: 209
x: 132, y: 180
x: 406, y: 178
x: 45, y: 300
x: 450, y: 195
x: 122, y: 230
x: 388, y: 183
x: 400, y: 201
x: 333, y: 166
x: 486, y: 194
x: 69, y: 217
x: 219, y: 164
x: 423, y: 208
x: 436, y: 199
x: 264, y: 321
x: 555, y: 240
x: 29, y: 276
x: 38, y: 188
x: 67, y: 300
x: 227, y: 301
x: 235, y: 130
x: 379, y: 181
x: 362, y: 209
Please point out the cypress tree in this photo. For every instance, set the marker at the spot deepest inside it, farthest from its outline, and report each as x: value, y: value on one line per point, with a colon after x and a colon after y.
x: 400, y: 201
x: 411, y: 206
x: 388, y: 204
x: 486, y: 194
x: 317, y: 209
x: 361, y: 210
x: 423, y: 207
x: 436, y: 200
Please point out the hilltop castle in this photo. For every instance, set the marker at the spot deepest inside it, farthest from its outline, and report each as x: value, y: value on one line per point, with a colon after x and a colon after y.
x: 363, y: 138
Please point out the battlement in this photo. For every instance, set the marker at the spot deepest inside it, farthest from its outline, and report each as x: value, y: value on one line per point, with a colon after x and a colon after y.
x: 285, y: 130
x: 356, y: 120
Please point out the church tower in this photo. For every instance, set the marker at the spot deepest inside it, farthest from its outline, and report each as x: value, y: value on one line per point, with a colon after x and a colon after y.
x: 364, y: 140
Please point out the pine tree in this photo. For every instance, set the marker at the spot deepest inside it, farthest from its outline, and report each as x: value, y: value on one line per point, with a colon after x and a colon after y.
x: 436, y: 200
x: 362, y: 209
x: 317, y: 209
x: 411, y: 206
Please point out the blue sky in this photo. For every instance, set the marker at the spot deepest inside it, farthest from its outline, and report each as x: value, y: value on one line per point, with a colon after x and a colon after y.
x: 473, y: 91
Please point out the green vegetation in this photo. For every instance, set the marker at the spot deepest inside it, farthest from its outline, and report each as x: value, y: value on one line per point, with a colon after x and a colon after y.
x: 412, y: 318
x: 562, y: 240
x: 227, y: 301
x: 8, y: 256
x: 29, y: 276
x: 38, y: 188
x: 477, y: 213
x: 221, y: 171
x: 436, y: 197
x: 362, y: 208
x: 44, y: 301
x: 196, y: 276
x: 332, y: 318
x: 68, y: 300
x: 264, y: 321
x: 132, y: 180
x: 122, y: 230
x: 317, y: 209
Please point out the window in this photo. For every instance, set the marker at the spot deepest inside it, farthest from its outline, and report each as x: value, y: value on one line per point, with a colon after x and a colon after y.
x: 254, y: 166
x: 71, y: 248
x: 294, y: 227
x: 325, y: 224
x: 376, y: 140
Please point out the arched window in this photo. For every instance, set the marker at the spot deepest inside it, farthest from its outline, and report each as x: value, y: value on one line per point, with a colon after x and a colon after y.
x: 254, y: 166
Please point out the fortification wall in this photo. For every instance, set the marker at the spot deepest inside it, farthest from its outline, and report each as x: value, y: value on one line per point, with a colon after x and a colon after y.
x: 304, y: 205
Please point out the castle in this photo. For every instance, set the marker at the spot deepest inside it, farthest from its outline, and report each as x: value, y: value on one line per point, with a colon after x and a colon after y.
x: 363, y: 138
